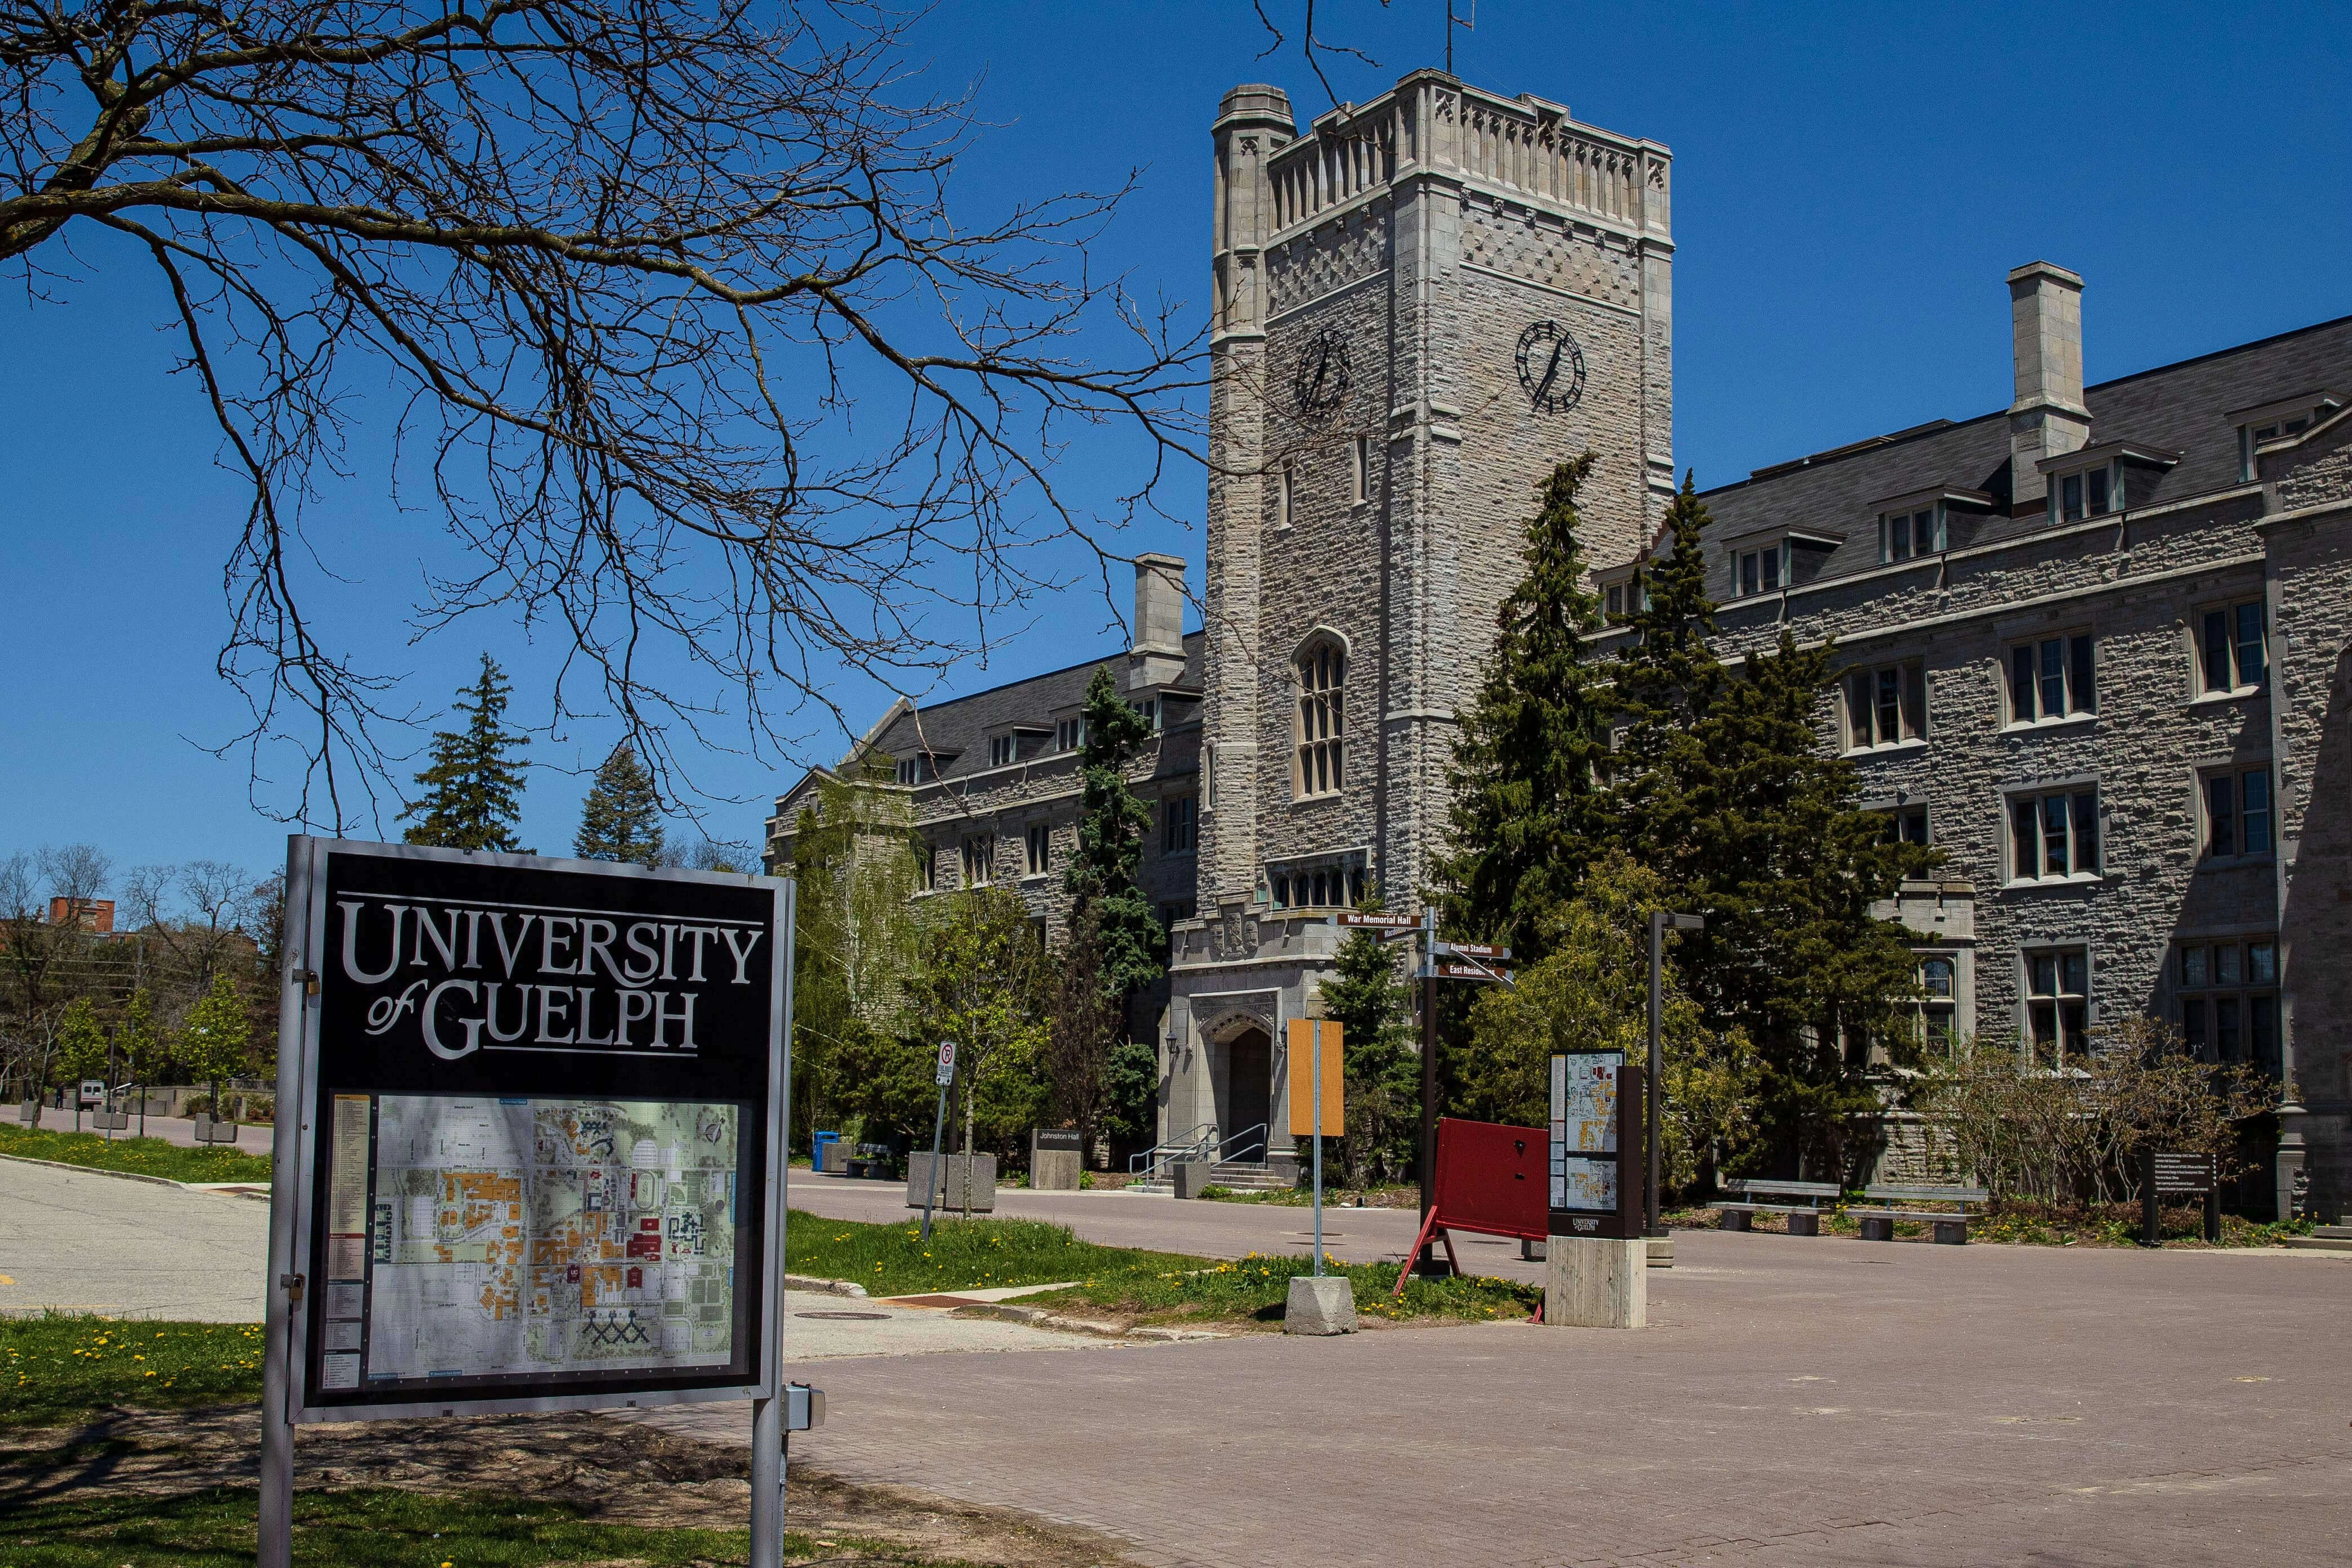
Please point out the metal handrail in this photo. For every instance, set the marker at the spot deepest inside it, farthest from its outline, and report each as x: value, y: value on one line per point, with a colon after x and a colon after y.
x: 1260, y: 1131
x: 1143, y: 1166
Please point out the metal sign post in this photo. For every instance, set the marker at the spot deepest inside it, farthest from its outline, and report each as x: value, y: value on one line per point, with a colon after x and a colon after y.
x: 567, y: 1079
x: 934, y: 1181
x: 1315, y: 1038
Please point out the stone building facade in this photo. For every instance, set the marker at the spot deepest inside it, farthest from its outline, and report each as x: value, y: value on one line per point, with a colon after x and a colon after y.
x: 1420, y: 305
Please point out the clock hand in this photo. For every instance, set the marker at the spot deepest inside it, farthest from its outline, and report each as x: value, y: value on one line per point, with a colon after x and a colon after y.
x: 1552, y: 372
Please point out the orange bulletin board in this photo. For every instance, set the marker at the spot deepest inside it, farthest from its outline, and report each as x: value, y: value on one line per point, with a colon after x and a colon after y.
x: 1307, y: 1037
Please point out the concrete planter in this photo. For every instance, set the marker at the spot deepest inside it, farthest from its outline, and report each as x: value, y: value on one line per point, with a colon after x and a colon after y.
x: 956, y: 1174
x: 1190, y: 1176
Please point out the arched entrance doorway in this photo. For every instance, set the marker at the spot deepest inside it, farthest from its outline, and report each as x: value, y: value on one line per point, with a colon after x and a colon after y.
x: 1246, y: 1091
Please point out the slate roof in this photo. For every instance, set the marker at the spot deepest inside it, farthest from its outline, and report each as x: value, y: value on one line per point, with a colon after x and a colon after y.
x: 2181, y: 407
x: 956, y: 731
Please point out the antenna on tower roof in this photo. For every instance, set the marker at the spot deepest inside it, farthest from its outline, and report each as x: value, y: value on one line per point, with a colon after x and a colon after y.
x: 1452, y: 22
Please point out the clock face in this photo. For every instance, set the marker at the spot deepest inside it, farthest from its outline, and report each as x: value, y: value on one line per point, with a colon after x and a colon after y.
x: 1321, y: 383
x: 1552, y: 368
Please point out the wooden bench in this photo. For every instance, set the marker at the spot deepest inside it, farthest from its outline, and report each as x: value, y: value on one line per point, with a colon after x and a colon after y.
x: 1951, y: 1229
x: 1804, y: 1218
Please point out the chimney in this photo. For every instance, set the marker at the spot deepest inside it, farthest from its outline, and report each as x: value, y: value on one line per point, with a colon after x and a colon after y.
x: 1157, y: 656
x: 2045, y: 312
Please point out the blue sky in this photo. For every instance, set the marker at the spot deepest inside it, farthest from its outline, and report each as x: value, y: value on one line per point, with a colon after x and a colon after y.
x: 1851, y: 183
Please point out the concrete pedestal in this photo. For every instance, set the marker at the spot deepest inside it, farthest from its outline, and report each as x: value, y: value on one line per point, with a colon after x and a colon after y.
x: 1319, y: 1306
x: 957, y: 1173
x: 1189, y: 1176
x: 1054, y: 1170
x: 1597, y: 1284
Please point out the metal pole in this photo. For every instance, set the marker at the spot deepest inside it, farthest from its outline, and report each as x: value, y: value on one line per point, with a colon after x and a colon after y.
x: 1314, y: 1035
x: 931, y: 1182
x: 1426, y: 1264
x: 283, y: 1289
x: 767, y: 1436
x: 1655, y: 1076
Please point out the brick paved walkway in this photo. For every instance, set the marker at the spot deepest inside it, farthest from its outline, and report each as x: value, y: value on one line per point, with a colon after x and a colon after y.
x: 1801, y: 1402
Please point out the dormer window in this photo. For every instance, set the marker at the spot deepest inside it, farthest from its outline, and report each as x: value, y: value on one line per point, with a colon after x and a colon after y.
x: 2092, y: 482
x: 1762, y: 570
x: 1903, y: 535
x: 1003, y: 751
x: 2093, y: 492
x: 2275, y: 421
x: 1150, y: 708
x: 922, y: 768
x: 1070, y: 733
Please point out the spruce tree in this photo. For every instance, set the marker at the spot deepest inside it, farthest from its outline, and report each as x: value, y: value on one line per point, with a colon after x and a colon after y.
x: 1773, y: 847
x: 1102, y: 874
x: 621, y: 818
x: 1375, y: 1010
x: 1528, y: 813
x: 473, y: 791
x: 1125, y: 944
x: 1663, y: 685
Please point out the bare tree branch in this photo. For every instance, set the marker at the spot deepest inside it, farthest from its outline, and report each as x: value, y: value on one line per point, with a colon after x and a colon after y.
x: 692, y: 357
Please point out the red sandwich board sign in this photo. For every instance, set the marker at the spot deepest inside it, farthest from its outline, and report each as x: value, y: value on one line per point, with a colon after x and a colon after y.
x: 1490, y: 1181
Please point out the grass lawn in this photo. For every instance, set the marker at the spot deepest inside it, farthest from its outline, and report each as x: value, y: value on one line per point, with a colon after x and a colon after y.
x: 1255, y: 1289
x: 367, y: 1527
x: 61, y: 1368
x: 147, y: 1156
x: 894, y: 1260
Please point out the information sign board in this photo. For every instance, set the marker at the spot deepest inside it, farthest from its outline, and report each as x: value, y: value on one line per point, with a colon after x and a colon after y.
x: 1595, y: 1145
x: 539, y: 1113
x: 1380, y: 923
x: 2167, y: 1175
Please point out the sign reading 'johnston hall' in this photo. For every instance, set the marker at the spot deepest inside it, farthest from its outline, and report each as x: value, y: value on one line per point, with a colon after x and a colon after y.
x: 2098, y: 638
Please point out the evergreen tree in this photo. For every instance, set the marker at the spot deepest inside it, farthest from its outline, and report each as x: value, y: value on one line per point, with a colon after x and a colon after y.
x: 1528, y: 815
x: 1125, y: 945
x: 473, y: 791
x: 1382, y: 1066
x: 1101, y: 879
x: 1663, y: 685
x: 621, y: 818
x: 1775, y: 850
x: 1079, y: 1040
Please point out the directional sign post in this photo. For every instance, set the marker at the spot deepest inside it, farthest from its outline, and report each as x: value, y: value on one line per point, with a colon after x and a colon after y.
x: 932, y: 1182
x: 2164, y: 1176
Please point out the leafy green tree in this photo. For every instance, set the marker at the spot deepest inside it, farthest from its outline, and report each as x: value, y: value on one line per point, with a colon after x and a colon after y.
x: 217, y: 1040
x: 1374, y: 1009
x: 621, y: 818
x: 1078, y: 1037
x: 138, y: 1039
x: 81, y: 1044
x: 855, y: 860
x: 473, y: 790
x: 1590, y: 993
x: 981, y: 981
x: 1129, y: 947
x: 1529, y: 813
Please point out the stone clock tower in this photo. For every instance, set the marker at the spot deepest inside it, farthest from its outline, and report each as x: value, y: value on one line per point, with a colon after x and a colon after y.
x: 1420, y: 306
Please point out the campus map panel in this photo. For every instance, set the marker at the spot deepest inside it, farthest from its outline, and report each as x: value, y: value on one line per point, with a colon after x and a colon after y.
x: 551, y: 1237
